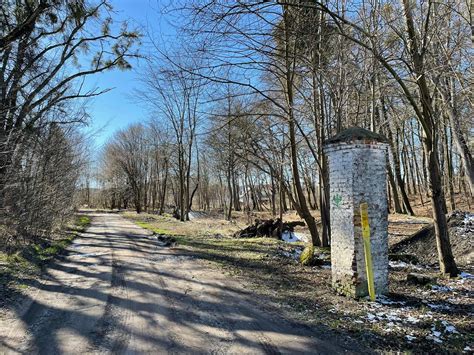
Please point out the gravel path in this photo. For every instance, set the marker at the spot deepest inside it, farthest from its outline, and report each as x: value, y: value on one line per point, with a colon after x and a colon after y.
x: 119, y: 291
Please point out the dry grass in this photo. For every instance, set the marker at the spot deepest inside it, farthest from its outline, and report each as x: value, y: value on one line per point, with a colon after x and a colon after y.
x: 462, y: 202
x: 24, y: 263
x: 305, y: 293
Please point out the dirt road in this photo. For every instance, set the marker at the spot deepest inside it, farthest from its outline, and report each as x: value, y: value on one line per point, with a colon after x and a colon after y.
x: 119, y: 291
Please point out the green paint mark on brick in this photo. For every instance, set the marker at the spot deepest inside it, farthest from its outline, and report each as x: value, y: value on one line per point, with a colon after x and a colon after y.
x: 337, y: 199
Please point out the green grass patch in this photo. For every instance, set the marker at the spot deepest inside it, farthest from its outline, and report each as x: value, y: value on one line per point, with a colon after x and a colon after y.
x: 17, y: 265
x: 45, y: 252
x: 80, y: 224
x: 29, y: 260
x: 153, y: 228
x: 236, y: 255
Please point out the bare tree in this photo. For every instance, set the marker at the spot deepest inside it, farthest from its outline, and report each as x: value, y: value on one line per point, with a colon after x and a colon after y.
x: 40, y: 64
x: 173, y: 95
x: 245, y: 40
x: 130, y: 150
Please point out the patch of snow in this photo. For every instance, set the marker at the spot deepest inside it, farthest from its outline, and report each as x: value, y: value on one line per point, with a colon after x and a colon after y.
x: 412, y: 320
x: 323, y: 256
x: 327, y: 267
x: 410, y: 338
x: 393, y: 317
x: 196, y: 215
x: 397, y: 265
x: 293, y: 254
x: 387, y: 301
x: 192, y: 215
x: 380, y: 316
x: 449, y: 328
x: 443, y: 289
x: 302, y: 237
x: 292, y: 237
x: 438, y: 306
x: 416, y: 221
x: 467, y: 348
x: 469, y: 218
x: 435, y: 335
x: 465, y: 275
x: 428, y: 315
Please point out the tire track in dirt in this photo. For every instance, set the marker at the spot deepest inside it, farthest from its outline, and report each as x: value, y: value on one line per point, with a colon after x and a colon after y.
x: 174, y: 339
x: 266, y: 343
x: 110, y: 332
x: 223, y: 325
x: 145, y: 298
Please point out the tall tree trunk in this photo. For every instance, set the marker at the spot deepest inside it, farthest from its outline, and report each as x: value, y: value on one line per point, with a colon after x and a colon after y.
x: 235, y: 191
x: 462, y: 146
x: 425, y: 116
x: 182, y: 177
x: 319, y: 125
x: 163, y: 189
x: 273, y: 195
x: 443, y: 245
x: 229, y: 186
x: 396, y: 199
x: 289, y: 69
x: 398, y: 175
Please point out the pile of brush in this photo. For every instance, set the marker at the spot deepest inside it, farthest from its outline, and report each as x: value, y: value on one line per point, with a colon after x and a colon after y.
x: 267, y: 228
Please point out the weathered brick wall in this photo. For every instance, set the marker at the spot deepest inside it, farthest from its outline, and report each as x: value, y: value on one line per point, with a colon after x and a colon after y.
x: 357, y: 174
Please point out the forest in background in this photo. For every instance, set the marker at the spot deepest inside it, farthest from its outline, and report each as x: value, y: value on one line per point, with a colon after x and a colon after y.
x: 241, y: 107
x: 241, y: 103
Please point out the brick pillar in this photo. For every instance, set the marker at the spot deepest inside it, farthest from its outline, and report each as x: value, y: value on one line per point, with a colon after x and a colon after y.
x: 357, y: 173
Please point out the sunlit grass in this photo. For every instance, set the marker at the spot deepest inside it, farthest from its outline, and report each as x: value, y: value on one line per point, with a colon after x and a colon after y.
x: 153, y: 228
x: 80, y: 224
x: 211, y: 239
x: 32, y: 258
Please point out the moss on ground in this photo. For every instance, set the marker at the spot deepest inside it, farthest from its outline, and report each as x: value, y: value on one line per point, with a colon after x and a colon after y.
x: 29, y: 260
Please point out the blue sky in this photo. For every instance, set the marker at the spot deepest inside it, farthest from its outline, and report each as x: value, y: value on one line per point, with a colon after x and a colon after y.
x: 117, y: 108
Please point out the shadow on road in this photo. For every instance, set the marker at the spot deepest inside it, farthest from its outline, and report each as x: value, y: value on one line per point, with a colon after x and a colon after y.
x: 119, y: 291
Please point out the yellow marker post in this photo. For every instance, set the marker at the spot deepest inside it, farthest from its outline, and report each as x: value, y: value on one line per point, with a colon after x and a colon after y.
x: 364, y: 216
